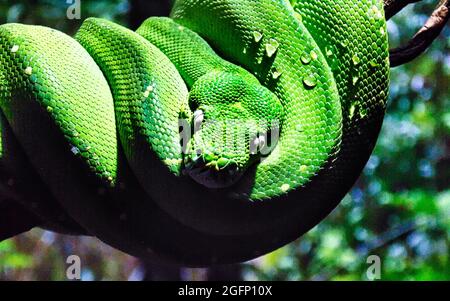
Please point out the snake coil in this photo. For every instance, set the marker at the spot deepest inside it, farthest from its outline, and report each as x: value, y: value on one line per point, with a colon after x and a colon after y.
x: 90, y: 126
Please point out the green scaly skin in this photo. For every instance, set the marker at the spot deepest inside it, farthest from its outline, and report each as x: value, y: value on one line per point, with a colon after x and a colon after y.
x: 224, y: 93
x: 319, y: 68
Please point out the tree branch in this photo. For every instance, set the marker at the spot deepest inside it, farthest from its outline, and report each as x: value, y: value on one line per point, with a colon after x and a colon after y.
x: 393, y: 7
x: 424, y: 37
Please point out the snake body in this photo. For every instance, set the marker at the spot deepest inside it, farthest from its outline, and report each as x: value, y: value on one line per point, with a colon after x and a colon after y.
x: 90, y: 126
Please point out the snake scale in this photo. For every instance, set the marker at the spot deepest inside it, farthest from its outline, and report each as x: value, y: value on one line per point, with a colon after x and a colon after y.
x: 213, y: 136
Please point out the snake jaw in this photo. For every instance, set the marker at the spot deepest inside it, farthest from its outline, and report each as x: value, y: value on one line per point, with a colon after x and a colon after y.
x: 218, y: 173
x: 208, y: 162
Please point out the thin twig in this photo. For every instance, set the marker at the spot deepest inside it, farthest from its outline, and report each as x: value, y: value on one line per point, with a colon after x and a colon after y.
x: 423, y: 38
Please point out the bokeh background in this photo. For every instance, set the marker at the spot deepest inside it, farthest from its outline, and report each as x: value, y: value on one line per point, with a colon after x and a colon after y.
x: 399, y: 209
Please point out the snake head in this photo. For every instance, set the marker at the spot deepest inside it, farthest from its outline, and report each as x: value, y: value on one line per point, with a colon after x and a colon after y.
x: 233, y: 114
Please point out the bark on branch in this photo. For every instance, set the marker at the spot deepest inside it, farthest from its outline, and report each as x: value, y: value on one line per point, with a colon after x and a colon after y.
x: 424, y: 37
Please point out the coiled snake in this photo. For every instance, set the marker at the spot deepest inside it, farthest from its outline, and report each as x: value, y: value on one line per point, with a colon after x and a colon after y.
x: 214, y: 136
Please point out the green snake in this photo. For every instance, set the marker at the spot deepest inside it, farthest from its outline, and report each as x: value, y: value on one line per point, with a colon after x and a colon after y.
x: 216, y: 135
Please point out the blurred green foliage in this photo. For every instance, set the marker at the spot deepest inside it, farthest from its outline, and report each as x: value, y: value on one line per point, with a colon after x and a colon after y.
x: 398, y: 210
x: 12, y: 258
